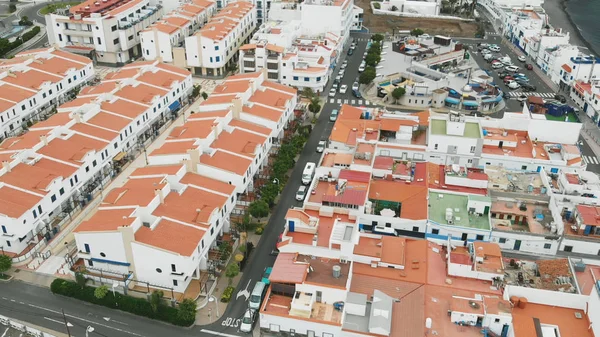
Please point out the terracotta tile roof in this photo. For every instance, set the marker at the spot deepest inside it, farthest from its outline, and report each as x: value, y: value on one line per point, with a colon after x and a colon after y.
x: 358, y: 176
x: 250, y: 126
x: 102, y: 88
x: 245, y: 76
x: 272, y: 98
x: 120, y: 74
x: 590, y: 215
x: 171, y: 236
x: 124, y: 108
x: 194, y: 206
x: 389, y: 124
x: 219, y: 99
x: 171, y: 68
x: 392, y: 250
x: 179, y: 147
x: 31, y: 78
x: 207, y: 183
x: 287, y: 270
x: 483, y: 249
x: 142, y: 93
x: 14, y: 203
x: 564, y: 318
x: 193, y: 129
x: 55, y: 65
x: 109, y: 121
x: 297, y: 214
x: 566, y: 68
x: 366, y: 284
x: 262, y: 111
x: 157, y: 170
x: 228, y: 162
x: 26, y: 141
x: 72, y: 149
x: 91, y: 130
x: 77, y: 102
x: 248, y: 46
x: 209, y: 114
x: 279, y: 87
x: 348, y: 197
x: 107, y: 220
x: 161, y: 78
x: 275, y: 48
x: 408, y: 314
x: 239, y: 141
x: 232, y: 87
x: 412, y: 198
x: 135, y: 192
x: 13, y: 93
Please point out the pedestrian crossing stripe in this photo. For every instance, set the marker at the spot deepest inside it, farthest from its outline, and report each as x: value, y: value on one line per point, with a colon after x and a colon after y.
x: 590, y: 160
x: 538, y: 94
x: 345, y: 101
x: 352, y: 101
x: 339, y: 101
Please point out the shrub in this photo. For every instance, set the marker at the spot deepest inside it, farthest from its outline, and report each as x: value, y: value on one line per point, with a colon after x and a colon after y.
x: 227, y: 293
x: 137, y: 306
x: 377, y: 5
x: 101, y: 292
x: 5, y: 263
x: 232, y: 270
x: 258, y: 231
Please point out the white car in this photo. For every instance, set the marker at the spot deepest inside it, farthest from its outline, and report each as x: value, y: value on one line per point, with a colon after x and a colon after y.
x: 485, y: 52
x: 488, y: 57
x: 512, y: 68
x: 355, y: 86
x: 248, y: 321
x: 494, y: 48
x: 301, y: 194
x: 342, y: 73
x: 522, y: 58
x: 321, y: 146
x: 522, y: 98
x: 497, y: 65
x: 334, y: 86
x: 343, y: 89
x: 344, y: 65
x: 362, y: 66
x: 332, y: 92
x: 513, y: 85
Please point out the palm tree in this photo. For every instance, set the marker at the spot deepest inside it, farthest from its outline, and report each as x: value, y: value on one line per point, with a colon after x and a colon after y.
x: 315, y: 105
x: 308, y: 93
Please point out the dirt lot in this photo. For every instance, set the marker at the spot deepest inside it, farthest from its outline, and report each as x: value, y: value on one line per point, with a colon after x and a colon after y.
x: 385, y: 23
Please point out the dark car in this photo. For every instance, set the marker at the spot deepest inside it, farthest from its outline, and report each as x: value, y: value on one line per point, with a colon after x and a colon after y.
x: 356, y: 94
x: 560, y: 98
x: 526, y: 86
x: 503, y: 74
x: 528, y: 66
x: 350, y: 51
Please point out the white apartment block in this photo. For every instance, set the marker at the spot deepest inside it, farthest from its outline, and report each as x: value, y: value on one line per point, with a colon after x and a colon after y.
x: 551, y: 59
x: 289, y: 57
x: 104, y: 30
x: 213, y: 49
x: 59, y: 163
x: 165, y: 38
x: 319, y: 17
x: 544, y: 40
x: 33, y: 82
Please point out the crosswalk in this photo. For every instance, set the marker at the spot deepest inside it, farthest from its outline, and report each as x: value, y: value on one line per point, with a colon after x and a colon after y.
x: 590, y: 160
x: 518, y: 93
x: 340, y: 101
x: 362, y: 39
x: 492, y: 33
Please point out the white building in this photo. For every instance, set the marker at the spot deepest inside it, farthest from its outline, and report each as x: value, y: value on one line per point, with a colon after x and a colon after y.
x: 579, y: 68
x: 544, y: 40
x: 430, y: 8
x: 214, y: 48
x: 62, y: 161
x: 33, y: 82
x: 289, y: 57
x: 105, y: 30
x: 166, y: 37
x: 551, y: 60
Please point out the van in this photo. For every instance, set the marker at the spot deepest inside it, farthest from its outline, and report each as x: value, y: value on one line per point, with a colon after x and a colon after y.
x: 256, y: 297
x: 308, y: 173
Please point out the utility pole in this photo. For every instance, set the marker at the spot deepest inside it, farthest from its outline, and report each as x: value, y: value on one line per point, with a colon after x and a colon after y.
x: 66, y: 323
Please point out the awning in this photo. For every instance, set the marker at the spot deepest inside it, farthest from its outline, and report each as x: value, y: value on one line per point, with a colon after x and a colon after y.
x: 470, y: 103
x: 452, y: 100
x: 119, y: 156
x: 175, y: 106
x: 493, y: 100
x: 118, y: 263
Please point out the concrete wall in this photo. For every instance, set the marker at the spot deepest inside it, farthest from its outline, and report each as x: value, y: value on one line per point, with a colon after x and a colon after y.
x: 547, y: 297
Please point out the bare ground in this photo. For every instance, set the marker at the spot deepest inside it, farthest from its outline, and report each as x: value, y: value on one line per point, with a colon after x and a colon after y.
x: 386, y: 23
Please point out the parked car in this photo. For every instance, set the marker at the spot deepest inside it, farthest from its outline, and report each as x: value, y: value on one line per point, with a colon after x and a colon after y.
x: 334, y: 115
x: 350, y: 52
x: 344, y: 64
x: 526, y: 86
x: 488, y: 57
x: 485, y: 51
x: 497, y: 65
x: 508, y: 78
x: 355, y: 86
x: 528, y: 66
x: 335, y: 86
x: 361, y: 67
x: 356, y: 94
x: 248, y: 320
x: 266, y: 274
x: 343, y: 89
x: 522, y: 98
x: 494, y: 48
x: 342, y: 73
x: 482, y: 46
x: 321, y: 146
x: 332, y: 92
x: 301, y: 194
x: 511, y: 68
x: 503, y: 74
x: 522, y: 58
x: 513, y: 85
x: 560, y: 98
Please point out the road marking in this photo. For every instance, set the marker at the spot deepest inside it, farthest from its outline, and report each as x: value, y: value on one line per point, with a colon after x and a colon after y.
x: 85, y: 320
x: 353, y: 102
x: 367, y: 103
x: 332, y: 100
x: 54, y: 320
x: 218, y: 333
x: 345, y: 101
x: 231, y: 322
x: 108, y: 319
x: 360, y: 101
x: 244, y: 292
x: 339, y: 101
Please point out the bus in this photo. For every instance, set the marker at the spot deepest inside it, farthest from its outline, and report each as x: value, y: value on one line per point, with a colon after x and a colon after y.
x: 308, y: 173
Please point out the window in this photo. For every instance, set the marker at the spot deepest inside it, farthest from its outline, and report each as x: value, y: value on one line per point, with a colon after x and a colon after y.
x: 470, y: 161
x: 116, y: 41
x: 435, y: 146
x: 472, y: 149
x: 547, y: 245
x: 295, y: 78
x: 479, y: 237
x: 44, y: 94
x: 62, y: 191
x: 87, y: 169
x: 53, y: 198
x: 211, y: 59
x: 175, y: 283
x: 306, y: 79
x: 113, y: 28
x: 524, y: 167
x: 496, y: 320
x: 568, y: 249
x: 4, y: 229
x: 216, y: 47
x: 158, y: 270
x: 502, y: 240
x: 173, y: 268
x: 218, y: 58
x: 415, y: 228
x: 71, y: 180
x: 40, y: 209
x: 130, y: 37
x: 8, y: 243
x: 86, y: 248
x: 435, y: 231
x: 102, y: 254
x: 318, y: 79
x: 212, y: 231
x: 99, y: 41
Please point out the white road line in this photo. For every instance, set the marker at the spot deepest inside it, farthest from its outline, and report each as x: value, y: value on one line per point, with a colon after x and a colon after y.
x: 5, y: 332
x: 345, y: 101
x: 360, y: 101
x: 353, y: 102
x: 367, y: 103
x: 332, y: 100
x: 584, y: 159
x: 218, y: 333
x: 594, y: 160
x: 339, y: 101
x: 85, y: 320
x: 55, y: 320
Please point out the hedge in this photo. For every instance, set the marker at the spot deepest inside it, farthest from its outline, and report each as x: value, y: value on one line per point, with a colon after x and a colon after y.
x: 6, y: 46
x: 134, y: 305
x: 226, y: 297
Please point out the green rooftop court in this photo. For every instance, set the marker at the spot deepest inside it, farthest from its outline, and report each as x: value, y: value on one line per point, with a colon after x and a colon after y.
x: 438, y: 127
x: 439, y: 202
x: 569, y: 117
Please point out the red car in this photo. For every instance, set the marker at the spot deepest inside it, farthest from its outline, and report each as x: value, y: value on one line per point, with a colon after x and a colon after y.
x: 508, y: 78
x: 528, y: 66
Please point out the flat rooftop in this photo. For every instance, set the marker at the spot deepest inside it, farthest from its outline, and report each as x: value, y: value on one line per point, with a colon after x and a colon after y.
x: 553, y: 275
x: 565, y: 320
x: 438, y: 127
x: 458, y: 203
x: 522, y: 216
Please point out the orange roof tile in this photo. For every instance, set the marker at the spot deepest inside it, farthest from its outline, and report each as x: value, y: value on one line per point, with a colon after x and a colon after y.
x: 193, y: 129
x: 157, y: 170
x: 194, y: 206
x: 412, y: 199
x: 109, y: 121
x: 135, y: 192
x: 250, y: 126
x: 171, y: 236
x: 142, y: 93
x: 25, y: 141
x: 91, y: 130
x: 124, y: 108
x: 207, y: 183
x: 107, y: 220
x: 287, y: 270
x: 179, y: 147
x: 240, y: 142
x: 72, y: 149
x: 228, y: 162
x: 14, y: 203
x: 161, y: 78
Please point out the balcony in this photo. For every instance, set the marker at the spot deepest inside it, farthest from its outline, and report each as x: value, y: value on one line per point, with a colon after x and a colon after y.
x: 249, y: 64
x: 273, y: 66
x: 145, y: 14
x: 82, y: 33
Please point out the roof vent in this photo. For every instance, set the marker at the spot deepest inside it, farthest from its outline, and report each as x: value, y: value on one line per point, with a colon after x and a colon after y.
x: 578, y: 315
x: 337, y: 271
x: 474, y: 304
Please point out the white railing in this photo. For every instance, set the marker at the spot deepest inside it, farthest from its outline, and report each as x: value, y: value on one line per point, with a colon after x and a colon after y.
x: 30, y: 253
x: 9, y: 322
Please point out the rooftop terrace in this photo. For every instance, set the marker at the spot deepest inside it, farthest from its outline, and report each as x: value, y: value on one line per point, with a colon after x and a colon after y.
x: 440, y: 202
x: 438, y: 127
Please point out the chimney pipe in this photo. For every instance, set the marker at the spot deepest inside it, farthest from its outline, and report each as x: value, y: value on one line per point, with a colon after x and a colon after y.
x: 159, y: 192
x: 44, y: 139
x: 6, y: 165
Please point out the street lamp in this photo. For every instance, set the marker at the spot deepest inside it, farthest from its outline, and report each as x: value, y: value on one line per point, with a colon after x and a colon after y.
x: 88, y: 330
x: 213, y: 299
x: 114, y: 286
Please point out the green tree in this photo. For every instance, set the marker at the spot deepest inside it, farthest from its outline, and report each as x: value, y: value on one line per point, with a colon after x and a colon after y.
x: 367, y: 76
x: 187, y: 310
x: 204, y: 95
x: 377, y: 37
x: 101, y: 292
x: 155, y: 299
x: 417, y: 32
x: 376, y: 5
x: 5, y: 263
x: 398, y: 92
x: 315, y: 105
x: 80, y: 279
x: 25, y: 21
x: 196, y: 90
x: 232, y: 270
x: 308, y: 93
x: 258, y: 209
x: 372, y: 59
x: 12, y: 8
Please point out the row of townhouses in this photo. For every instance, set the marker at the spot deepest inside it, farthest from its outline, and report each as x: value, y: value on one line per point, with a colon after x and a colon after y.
x: 62, y: 161
x: 161, y: 227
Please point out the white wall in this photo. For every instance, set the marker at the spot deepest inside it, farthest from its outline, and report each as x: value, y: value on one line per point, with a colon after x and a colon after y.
x: 496, y: 327
x: 462, y: 317
x: 278, y: 323
x: 594, y: 311
x: 554, y: 132
x: 581, y: 246
x: 108, y: 243
x: 547, y: 297
x: 529, y: 243
x: 329, y: 295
